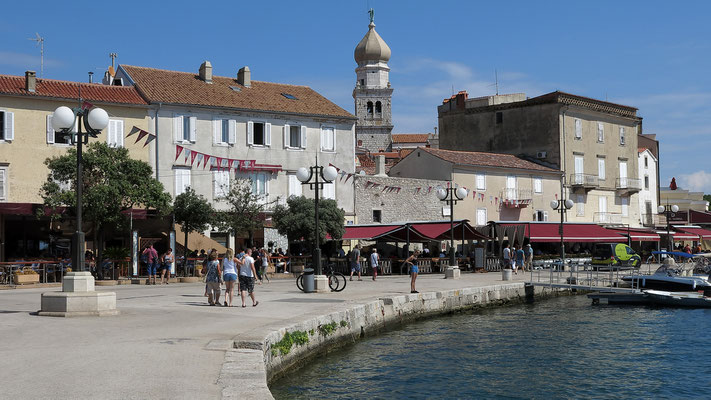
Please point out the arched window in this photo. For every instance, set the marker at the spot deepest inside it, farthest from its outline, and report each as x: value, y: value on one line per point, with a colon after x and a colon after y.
x: 370, y: 108
x: 378, y: 108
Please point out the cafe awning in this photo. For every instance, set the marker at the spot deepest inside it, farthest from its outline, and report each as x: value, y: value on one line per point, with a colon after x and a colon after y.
x: 699, y: 217
x: 548, y: 232
x: 694, y: 230
x: 412, y: 232
x: 637, y: 235
x: 368, y: 232
x: 443, y: 231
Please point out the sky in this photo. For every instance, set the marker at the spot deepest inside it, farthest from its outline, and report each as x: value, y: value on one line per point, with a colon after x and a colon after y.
x: 653, y: 55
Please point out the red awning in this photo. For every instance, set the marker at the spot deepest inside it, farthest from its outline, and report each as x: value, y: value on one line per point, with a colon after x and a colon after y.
x: 549, y: 232
x: 680, y: 235
x: 368, y: 232
x: 637, y: 235
x: 443, y: 231
x: 705, y: 234
x: 16, y: 208
x: 699, y: 217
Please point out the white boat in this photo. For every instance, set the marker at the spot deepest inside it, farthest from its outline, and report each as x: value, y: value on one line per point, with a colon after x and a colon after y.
x: 678, y: 299
x: 671, y: 276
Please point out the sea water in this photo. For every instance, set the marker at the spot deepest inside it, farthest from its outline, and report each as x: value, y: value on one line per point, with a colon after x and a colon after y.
x: 558, y: 348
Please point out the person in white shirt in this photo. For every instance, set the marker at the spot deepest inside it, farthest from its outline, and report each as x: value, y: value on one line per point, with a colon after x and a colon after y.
x: 247, y: 275
x: 374, y: 262
x: 507, y: 257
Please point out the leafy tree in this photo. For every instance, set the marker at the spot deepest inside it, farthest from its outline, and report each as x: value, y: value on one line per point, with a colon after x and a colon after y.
x: 194, y: 213
x: 707, y: 197
x: 113, y: 182
x: 296, y: 220
x: 243, y: 214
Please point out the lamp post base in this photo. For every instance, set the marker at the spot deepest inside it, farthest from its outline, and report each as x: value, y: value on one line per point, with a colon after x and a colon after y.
x: 452, y: 273
x: 321, y: 284
x: 78, y: 298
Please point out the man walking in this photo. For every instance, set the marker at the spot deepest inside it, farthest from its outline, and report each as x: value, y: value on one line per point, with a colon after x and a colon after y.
x: 374, y: 262
x: 528, y: 252
x: 355, y: 261
x: 519, y: 259
x: 152, y: 263
x: 507, y: 257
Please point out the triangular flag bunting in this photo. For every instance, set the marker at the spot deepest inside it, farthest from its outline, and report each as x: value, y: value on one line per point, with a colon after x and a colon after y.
x: 178, y: 150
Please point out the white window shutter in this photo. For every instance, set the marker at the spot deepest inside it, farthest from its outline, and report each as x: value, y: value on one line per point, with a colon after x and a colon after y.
x: 3, y: 194
x: 193, y: 129
x: 178, y: 127
x: 50, y: 130
x: 332, y: 139
x: 111, y: 133
x: 268, y: 134
x: 250, y: 133
x: 233, y: 131
x: 287, y: 135
x: 303, y: 136
x: 9, y: 125
x: 216, y: 131
x: 578, y: 128
x: 119, y: 133
x: 545, y: 215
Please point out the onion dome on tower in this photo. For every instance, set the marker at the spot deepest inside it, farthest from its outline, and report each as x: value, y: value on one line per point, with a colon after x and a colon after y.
x: 372, y: 47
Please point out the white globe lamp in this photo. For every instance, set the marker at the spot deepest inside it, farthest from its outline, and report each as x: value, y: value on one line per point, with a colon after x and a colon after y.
x: 461, y: 193
x: 63, y: 118
x: 441, y: 194
x: 98, y: 119
x: 303, y: 175
x: 329, y: 173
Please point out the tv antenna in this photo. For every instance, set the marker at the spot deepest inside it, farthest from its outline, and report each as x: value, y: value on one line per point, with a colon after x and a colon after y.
x: 40, y: 42
x: 113, y: 58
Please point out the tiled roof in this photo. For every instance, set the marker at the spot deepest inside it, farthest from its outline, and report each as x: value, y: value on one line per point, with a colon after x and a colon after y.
x: 15, y: 85
x: 641, y: 149
x: 485, y: 159
x: 163, y: 86
x: 410, y: 137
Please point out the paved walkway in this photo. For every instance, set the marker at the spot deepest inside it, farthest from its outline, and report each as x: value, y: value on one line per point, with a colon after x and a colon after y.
x: 167, y: 343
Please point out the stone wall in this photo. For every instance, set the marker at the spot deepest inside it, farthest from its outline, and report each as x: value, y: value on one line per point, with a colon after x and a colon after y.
x: 406, y: 205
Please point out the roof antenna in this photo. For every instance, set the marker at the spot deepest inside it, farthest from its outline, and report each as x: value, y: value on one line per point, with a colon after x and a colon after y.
x: 496, y: 76
x: 113, y: 58
x: 40, y: 42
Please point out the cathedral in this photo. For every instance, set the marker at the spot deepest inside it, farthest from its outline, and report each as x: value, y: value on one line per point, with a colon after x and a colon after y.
x: 372, y: 93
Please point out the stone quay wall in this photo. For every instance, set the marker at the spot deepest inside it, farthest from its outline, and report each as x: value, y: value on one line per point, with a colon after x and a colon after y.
x: 252, y: 364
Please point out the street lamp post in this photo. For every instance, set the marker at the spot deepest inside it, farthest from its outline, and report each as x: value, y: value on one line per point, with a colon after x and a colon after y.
x: 668, y: 211
x: 562, y: 206
x: 93, y: 120
x: 326, y: 175
x: 450, y: 196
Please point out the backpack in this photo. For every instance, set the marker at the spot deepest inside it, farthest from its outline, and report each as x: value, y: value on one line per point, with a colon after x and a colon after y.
x: 144, y: 258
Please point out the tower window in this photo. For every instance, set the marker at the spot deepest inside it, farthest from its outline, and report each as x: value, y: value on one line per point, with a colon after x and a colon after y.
x: 362, y: 82
x: 378, y: 107
x: 377, y: 216
x: 369, y: 108
x: 499, y: 117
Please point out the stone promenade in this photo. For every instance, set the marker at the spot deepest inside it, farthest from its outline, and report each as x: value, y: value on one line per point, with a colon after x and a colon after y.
x: 167, y: 343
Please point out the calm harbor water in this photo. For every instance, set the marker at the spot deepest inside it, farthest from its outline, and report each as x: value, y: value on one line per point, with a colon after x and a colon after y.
x: 558, y: 348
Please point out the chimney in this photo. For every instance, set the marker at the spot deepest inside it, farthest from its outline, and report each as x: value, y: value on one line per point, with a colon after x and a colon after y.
x: 380, y: 166
x: 30, y: 81
x: 206, y: 72
x: 461, y: 99
x: 244, y: 77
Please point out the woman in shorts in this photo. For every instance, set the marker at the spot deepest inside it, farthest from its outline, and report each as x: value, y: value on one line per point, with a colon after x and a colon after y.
x: 412, y: 264
x: 229, y: 274
x: 165, y: 264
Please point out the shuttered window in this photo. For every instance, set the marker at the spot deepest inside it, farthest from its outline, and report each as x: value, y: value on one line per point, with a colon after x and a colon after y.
x: 480, y: 182
x: 294, y: 186
x: 3, y: 183
x: 221, y: 183
x: 578, y: 128
x: 600, y: 132
x: 7, y: 125
x: 182, y: 180
x: 114, y: 135
x: 328, y: 139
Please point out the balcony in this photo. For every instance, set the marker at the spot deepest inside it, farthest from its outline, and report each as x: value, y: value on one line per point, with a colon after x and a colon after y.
x: 516, y: 198
x: 584, y: 181
x: 628, y: 185
x: 607, y: 218
x: 652, y: 220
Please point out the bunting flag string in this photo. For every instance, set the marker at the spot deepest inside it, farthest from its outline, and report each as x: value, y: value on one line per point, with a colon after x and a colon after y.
x: 178, y: 150
x: 141, y: 135
x: 150, y: 139
x: 134, y: 130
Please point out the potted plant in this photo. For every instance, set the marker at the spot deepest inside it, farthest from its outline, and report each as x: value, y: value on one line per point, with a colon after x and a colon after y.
x: 25, y: 276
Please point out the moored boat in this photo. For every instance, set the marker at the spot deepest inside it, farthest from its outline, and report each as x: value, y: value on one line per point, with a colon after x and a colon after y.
x: 678, y: 299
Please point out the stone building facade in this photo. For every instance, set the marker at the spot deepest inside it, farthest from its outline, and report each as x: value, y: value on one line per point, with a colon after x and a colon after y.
x: 377, y: 203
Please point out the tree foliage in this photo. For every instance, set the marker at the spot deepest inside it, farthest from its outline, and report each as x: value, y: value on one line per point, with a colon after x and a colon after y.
x: 296, y: 220
x: 192, y: 211
x: 112, y: 182
x: 244, y: 212
x: 707, y: 197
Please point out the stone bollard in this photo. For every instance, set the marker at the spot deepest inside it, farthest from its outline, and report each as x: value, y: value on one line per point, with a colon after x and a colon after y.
x: 506, y: 274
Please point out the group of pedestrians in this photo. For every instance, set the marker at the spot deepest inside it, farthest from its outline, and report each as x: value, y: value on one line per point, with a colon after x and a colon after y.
x: 233, y: 270
x: 374, y: 258
x: 155, y: 264
x: 518, y: 257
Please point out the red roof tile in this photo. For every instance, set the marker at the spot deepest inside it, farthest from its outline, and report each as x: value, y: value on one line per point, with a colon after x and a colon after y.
x: 15, y: 85
x: 485, y: 159
x: 410, y: 137
x: 164, y: 86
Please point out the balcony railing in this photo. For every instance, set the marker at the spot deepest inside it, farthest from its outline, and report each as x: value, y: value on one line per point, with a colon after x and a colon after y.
x: 607, y: 218
x: 516, y: 198
x: 584, y: 180
x: 628, y: 184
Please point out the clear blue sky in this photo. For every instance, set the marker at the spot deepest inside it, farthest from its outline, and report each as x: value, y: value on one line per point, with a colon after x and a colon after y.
x: 653, y: 55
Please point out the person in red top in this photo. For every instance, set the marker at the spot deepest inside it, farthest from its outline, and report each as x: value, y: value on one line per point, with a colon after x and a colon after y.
x: 152, y: 263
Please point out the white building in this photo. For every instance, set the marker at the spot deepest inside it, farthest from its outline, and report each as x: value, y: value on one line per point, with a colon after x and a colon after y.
x: 213, y: 129
x: 648, y: 196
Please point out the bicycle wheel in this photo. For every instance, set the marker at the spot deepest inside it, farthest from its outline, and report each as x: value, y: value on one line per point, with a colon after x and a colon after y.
x: 341, y: 281
x: 300, y: 282
x: 333, y: 283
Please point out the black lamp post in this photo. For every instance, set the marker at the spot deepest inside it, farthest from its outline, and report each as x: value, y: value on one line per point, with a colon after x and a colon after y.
x: 562, y: 206
x: 326, y: 175
x: 93, y: 120
x: 450, y: 196
x: 669, y: 212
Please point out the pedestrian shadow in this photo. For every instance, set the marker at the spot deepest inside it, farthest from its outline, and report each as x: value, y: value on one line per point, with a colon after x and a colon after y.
x: 195, y: 304
x: 192, y: 295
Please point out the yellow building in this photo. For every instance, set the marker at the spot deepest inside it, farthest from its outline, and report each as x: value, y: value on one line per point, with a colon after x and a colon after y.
x: 27, y: 140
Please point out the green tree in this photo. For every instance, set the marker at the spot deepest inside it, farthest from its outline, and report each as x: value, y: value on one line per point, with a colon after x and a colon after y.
x: 113, y: 182
x: 296, y: 220
x: 707, y: 197
x: 194, y: 214
x: 244, y: 212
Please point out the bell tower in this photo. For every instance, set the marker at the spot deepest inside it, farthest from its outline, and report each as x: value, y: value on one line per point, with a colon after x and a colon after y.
x: 372, y: 93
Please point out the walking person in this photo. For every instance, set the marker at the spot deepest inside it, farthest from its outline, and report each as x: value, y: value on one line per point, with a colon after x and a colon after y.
x: 375, y: 262
x: 247, y: 274
x: 507, y: 257
x: 412, y: 264
x: 165, y: 265
x: 151, y: 263
x: 229, y: 274
x: 264, y: 264
x: 355, y: 261
x: 520, y: 257
x: 528, y: 252
x: 213, y: 278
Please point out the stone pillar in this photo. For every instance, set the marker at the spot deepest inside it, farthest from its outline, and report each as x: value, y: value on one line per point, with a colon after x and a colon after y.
x: 78, y: 298
x: 321, y: 284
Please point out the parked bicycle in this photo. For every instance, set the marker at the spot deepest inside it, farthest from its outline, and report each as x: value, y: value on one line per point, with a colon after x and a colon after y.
x: 336, y: 280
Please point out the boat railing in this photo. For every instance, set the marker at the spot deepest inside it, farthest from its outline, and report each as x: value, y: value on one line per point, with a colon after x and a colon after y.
x: 578, y: 274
